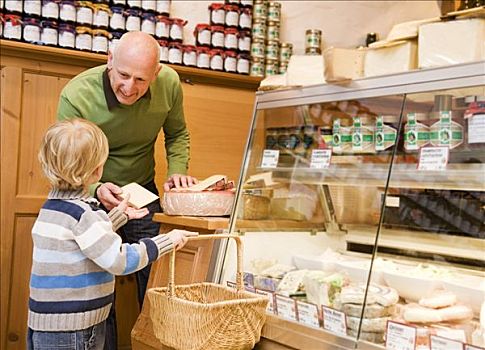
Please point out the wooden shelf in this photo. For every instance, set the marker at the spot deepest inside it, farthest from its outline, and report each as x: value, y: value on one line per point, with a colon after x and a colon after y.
x: 205, y: 223
x: 278, y: 225
x: 89, y: 59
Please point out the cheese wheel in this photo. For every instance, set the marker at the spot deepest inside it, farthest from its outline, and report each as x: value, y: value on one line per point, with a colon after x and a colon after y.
x: 203, y: 203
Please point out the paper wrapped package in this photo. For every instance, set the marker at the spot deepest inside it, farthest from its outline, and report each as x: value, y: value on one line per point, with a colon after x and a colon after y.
x: 390, y: 58
x: 343, y: 64
x: 203, y: 203
x: 305, y: 70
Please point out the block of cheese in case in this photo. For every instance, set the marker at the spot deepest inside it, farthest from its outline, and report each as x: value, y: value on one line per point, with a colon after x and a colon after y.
x: 343, y: 64
x: 390, y: 57
x: 447, y: 43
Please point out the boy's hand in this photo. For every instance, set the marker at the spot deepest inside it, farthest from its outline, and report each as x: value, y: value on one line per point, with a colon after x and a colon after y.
x: 131, y: 212
x: 180, y: 237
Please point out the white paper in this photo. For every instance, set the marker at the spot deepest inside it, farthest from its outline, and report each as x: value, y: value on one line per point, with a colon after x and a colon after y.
x: 455, y: 334
x: 476, y: 128
x: 139, y: 195
x: 307, y: 314
x: 334, y: 321
x: 270, y: 158
x: 439, y: 343
x: 433, y: 158
x: 285, y: 307
x: 471, y: 347
x: 320, y: 158
x: 400, y: 336
x: 270, y: 308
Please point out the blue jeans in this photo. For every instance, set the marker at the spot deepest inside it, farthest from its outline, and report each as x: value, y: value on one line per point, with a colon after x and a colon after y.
x: 91, y: 338
x: 132, y: 232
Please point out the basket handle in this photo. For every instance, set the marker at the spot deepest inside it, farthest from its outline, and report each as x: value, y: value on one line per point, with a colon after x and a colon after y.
x: 239, y: 273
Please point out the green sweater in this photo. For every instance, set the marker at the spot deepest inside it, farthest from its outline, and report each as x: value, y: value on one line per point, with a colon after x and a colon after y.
x: 131, y: 130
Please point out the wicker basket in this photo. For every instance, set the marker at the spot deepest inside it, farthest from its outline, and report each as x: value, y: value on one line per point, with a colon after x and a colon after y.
x: 207, y: 315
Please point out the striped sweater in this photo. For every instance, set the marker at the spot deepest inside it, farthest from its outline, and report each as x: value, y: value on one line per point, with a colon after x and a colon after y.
x: 75, y: 257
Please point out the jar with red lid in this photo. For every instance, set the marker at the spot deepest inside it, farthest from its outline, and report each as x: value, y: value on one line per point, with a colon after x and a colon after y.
x: 230, y: 61
x: 118, y: 19
x: 202, y: 34
x: 67, y: 11
x: 175, y: 53
x: 84, y: 13
x: 12, y: 27
x: 163, y: 7
x: 203, y: 57
x: 67, y: 35
x: 163, y: 50
x: 32, y: 8
x: 245, y: 18
x: 217, y: 14
x: 232, y: 15
x: 244, y: 41
x: 217, y: 37
x: 14, y: 6
x: 243, y: 63
x: 216, y: 59
x: 50, y: 9
x: 231, y: 36
x: 49, y: 34
x: 133, y: 20
x: 148, y: 23
x: 189, y: 57
x: 31, y: 32
x: 177, y: 29
x: 162, y: 27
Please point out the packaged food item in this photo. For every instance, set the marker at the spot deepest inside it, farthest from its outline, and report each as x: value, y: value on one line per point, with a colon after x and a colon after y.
x: 232, y: 15
x: 189, y: 57
x: 177, y: 29
x: 84, y: 12
x: 32, y: 8
x: 163, y: 50
x: 274, y: 11
x: 230, y: 61
x: 245, y: 18
x: 67, y: 11
x: 217, y: 14
x: 203, y: 57
x: 475, y: 119
x: 31, y: 33
x: 385, y: 136
x: 101, y: 15
x: 84, y: 38
x: 416, y: 135
x: 362, y: 137
x: 446, y: 132
x: 148, y: 23
x: 49, y: 34
x: 313, y: 41
x: 244, y: 41
x: 255, y: 206
x: 162, y: 27
x: 341, y: 138
x: 202, y: 34
x: 243, y: 63
x: 257, y: 67
x: 163, y: 7
x: 67, y: 35
x: 100, y: 40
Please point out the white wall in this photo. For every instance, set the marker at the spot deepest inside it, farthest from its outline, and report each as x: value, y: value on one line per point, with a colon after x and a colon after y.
x: 344, y: 23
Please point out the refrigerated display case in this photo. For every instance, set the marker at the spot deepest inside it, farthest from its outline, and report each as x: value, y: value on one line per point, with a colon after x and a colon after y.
x: 362, y: 211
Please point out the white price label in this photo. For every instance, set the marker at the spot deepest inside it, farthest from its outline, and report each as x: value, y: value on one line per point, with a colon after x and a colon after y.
x: 321, y: 158
x: 433, y: 158
x: 307, y: 313
x: 400, y: 336
x: 270, y: 308
x: 285, y: 307
x: 334, y: 321
x: 270, y: 158
x: 440, y: 343
x: 454, y: 334
x: 476, y: 128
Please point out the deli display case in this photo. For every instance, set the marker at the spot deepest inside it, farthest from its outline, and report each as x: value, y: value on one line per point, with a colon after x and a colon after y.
x: 362, y: 210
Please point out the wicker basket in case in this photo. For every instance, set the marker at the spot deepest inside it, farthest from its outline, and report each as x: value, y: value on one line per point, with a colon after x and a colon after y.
x: 207, y: 315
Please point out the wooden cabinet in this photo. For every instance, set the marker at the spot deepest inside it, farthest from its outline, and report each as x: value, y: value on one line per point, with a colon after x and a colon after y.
x: 218, y: 109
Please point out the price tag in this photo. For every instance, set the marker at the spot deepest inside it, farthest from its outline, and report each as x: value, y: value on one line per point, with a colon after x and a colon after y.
x: 454, y: 334
x: 231, y: 284
x: 270, y: 158
x: 285, y: 307
x: 334, y: 321
x: 440, y: 343
x: 270, y: 308
x: 320, y: 158
x: 307, y: 314
x: 472, y: 347
x: 433, y: 158
x: 400, y: 336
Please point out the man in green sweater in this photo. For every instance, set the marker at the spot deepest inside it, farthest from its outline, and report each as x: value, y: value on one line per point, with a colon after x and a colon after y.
x: 131, y: 99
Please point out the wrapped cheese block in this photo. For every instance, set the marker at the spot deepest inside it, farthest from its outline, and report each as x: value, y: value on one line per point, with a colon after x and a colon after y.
x: 390, y: 57
x: 203, y: 203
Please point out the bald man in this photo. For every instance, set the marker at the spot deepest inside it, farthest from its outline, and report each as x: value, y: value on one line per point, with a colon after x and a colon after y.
x: 131, y: 99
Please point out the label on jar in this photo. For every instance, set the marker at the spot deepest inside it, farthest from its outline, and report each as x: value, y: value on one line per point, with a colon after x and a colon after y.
x: 148, y: 26
x: 217, y: 39
x: 134, y: 3
x: 203, y: 60
x: 246, y: 2
x: 257, y: 69
x: 257, y: 49
x: 232, y: 18
x: 313, y: 40
x: 190, y: 58
x: 101, y: 18
x: 49, y: 36
x: 243, y: 66
x: 273, y: 33
x: 32, y: 7
x: 260, y: 10
x: 283, y: 68
x: 271, y: 68
x: 272, y: 51
x: 162, y: 29
x: 13, y: 5
x: 50, y: 10
x: 67, y: 12
x: 218, y: 16
x: 244, y: 44
x: 245, y: 20
x: 67, y: 39
x: 84, y: 15
x: 113, y: 43
x: 117, y: 21
x: 149, y: 4
x: 476, y: 128
x: 174, y: 55
x: 31, y: 33
x: 446, y: 132
x: 216, y: 62
x: 163, y: 54
x: 163, y: 6
x: 274, y: 13
x: 285, y: 53
x: 259, y: 30
x: 230, y: 64
x: 84, y: 41
x: 416, y: 135
x: 230, y: 41
x: 133, y: 23
x: 100, y: 44
x: 204, y: 37
x: 176, y: 31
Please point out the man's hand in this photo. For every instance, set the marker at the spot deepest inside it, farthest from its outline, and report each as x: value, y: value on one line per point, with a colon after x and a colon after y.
x: 179, y: 181
x: 180, y: 237
x: 108, y: 194
x: 131, y: 212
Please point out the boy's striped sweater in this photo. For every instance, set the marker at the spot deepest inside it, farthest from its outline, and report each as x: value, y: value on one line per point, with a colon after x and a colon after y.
x: 76, y: 255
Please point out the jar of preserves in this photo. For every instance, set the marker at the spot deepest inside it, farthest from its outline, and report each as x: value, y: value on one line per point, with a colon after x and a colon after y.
x: 271, y: 67
x: 246, y: 3
x: 216, y: 59
x: 14, y: 6
x: 286, y: 50
x: 84, y: 13
x: 244, y: 41
x: 175, y: 53
x: 115, y: 38
x: 313, y: 41
x: 283, y: 67
x: 162, y: 27
x: 217, y: 37
x: 50, y: 9
x: 101, y: 16
x: 134, y: 3
x: 272, y: 51
x: 274, y: 11
x: 49, y: 34
x: 177, y: 29
x: 202, y: 34
x: 243, y: 63
x: 148, y: 23
x: 163, y: 7
x: 230, y: 61
x: 149, y: 5
x: 32, y: 8
x: 232, y: 15
x: 217, y: 14
x: 12, y: 28
x: 32, y: 30
x: 163, y: 50
x: 84, y: 38
x: 67, y: 11
x: 260, y: 10
x: 2, y: 21
x: 231, y: 38
x: 118, y: 19
x: 257, y: 67
x: 259, y: 29
x: 245, y: 18
x: 67, y: 35
x: 273, y: 31
x: 133, y: 20
x: 203, y: 57
x: 258, y: 49
x: 189, y: 57
x: 100, y: 40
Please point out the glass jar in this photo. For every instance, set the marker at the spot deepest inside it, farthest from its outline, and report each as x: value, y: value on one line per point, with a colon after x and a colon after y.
x: 177, y: 29
x: 84, y: 38
x: 313, y: 41
x: 216, y: 60
x: 49, y: 35
x: 272, y: 51
x: 134, y: 3
x: 231, y: 38
x: 243, y: 63
x: 232, y: 15
x: 149, y: 5
x: 162, y: 27
x: 283, y: 67
x: 258, y: 48
x: 100, y: 40
x: 230, y: 61
x: 84, y: 13
x: 163, y: 50
x: 286, y: 50
x: 67, y: 35
x: 163, y: 7
x: 244, y: 41
x: 12, y: 28
x: 273, y: 31
x: 67, y: 11
x: 259, y: 29
x: 217, y: 14
x: 245, y: 18
x: 32, y: 29
x: 203, y: 57
x: 117, y: 20
x: 271, y: 67
x: 257, y: 67
x: 14, y: 6
x: 101, y: 16
x: 2, y: 21
x: 32, y: 8
x: 50, y: 9
x: 115, y: 38
x: 189, y: 57
x: 148, y: 23
x: 133, y: 20
x: 260, y: 10
x: 175, y: 53
x: 202, y: 34
x: 274, y: 11
x: 246, y: 3
x: 217, y: 37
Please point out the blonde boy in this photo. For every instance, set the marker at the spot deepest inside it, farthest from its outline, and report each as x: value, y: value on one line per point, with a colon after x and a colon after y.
x: 76, y: 249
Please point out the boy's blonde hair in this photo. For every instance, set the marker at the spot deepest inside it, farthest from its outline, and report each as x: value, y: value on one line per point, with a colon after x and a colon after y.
x: 70, y: 152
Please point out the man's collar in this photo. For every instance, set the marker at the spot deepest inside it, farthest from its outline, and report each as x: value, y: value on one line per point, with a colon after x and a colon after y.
x: 109, y: 94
